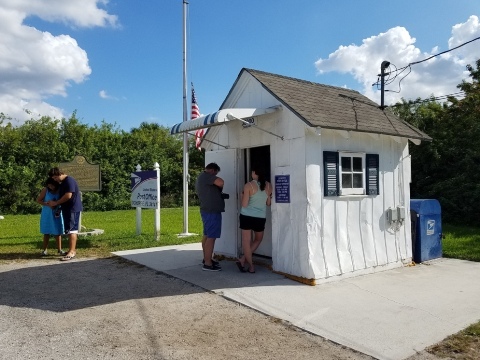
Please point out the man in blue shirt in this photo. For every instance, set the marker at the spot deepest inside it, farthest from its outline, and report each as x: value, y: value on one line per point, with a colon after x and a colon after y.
x: 71, y: 204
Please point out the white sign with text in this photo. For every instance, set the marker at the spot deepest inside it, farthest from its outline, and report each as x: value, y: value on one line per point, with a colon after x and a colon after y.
x: 145, y: 190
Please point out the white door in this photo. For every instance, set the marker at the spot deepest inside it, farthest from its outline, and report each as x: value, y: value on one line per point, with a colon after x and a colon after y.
x: 265, y: 247
x: 227, y: 160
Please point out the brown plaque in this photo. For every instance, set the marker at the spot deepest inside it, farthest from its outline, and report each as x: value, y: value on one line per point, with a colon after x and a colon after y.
x: 86, y: 174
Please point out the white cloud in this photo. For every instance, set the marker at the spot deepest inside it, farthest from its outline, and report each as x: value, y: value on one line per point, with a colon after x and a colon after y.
x: 27, y: 109
x: 35, y: 65
x: 103, y: 94
x: 461, y: 33
x: 81, y: 13
x: 438, y: 76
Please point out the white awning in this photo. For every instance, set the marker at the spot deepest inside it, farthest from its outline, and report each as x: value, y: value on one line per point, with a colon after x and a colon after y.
x: 218, y: 118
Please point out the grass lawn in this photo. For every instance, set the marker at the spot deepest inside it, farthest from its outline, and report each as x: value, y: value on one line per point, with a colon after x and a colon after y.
x: 20, y: 236
x: 461, y: 242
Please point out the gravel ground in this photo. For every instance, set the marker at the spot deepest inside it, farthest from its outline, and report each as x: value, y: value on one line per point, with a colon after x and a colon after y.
x: 114, y: 309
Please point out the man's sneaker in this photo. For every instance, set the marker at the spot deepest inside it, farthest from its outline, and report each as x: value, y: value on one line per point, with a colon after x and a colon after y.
x: 43, y: 253
x: 61, y: 252
x: 211, y: 268
x: 216, y: 263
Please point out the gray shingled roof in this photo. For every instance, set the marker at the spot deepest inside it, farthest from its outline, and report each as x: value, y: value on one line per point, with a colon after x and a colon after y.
x: 333, y: 107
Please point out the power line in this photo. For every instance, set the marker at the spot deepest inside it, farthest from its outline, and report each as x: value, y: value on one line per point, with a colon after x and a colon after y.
x: 459, y: 94
x: 382, y: 81
x: 443, y: 52
x: 389, y: 80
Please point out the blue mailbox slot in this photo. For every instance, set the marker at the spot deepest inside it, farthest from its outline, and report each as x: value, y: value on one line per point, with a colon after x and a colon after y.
x: 426, y: 216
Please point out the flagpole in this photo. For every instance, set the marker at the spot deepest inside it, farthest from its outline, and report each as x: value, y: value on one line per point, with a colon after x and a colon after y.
x: 185, y: 118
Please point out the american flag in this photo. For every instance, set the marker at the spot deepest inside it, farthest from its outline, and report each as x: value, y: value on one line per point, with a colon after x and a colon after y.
x: 195, y: 114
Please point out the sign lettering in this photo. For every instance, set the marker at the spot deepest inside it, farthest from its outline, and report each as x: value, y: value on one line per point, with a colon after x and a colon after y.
x: 282, y: 188
x: 145, y: 193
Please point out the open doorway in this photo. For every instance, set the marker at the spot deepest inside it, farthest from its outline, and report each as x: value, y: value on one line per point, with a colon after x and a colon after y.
x: 260, y: 155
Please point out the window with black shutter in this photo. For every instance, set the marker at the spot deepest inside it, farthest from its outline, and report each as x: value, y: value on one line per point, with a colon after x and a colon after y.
x: 350, y: 173
x: 372, y: 174
x: 330, y: 170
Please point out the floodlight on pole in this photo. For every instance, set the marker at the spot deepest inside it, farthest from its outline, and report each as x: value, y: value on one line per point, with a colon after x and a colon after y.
x: 385, y: 64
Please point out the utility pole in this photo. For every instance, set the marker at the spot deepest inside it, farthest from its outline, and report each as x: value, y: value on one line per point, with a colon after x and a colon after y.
x: 385, y: 64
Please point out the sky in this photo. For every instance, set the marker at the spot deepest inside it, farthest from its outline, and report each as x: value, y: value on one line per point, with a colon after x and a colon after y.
x: 121, y: 61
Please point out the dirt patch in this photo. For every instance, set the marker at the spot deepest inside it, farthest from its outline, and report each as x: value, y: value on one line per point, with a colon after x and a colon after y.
x: 112, y: 309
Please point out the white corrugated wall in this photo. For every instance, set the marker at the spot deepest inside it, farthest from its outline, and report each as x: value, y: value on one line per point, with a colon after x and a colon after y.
x: 347, y: 234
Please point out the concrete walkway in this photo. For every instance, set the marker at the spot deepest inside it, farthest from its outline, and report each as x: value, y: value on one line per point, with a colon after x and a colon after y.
x: 388, y: 315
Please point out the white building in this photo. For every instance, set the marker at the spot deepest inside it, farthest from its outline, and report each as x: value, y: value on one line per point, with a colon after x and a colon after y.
x: 340, y: 168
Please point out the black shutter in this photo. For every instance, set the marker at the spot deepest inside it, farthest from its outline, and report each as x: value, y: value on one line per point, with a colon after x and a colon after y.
x: 373, y: 186
x: 331, y: 185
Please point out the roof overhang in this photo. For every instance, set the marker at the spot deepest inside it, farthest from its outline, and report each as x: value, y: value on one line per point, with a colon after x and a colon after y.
x: 220, y: 117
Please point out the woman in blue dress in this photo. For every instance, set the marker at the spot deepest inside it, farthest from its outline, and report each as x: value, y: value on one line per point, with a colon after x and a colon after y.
x: 51, y: 220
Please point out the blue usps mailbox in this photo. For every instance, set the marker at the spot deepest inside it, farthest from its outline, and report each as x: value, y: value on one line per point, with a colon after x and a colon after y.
x: 426, y: 219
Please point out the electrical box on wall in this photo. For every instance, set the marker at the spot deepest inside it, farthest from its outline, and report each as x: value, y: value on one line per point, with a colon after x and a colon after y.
x: 396, y: 215
x: 392, y: 215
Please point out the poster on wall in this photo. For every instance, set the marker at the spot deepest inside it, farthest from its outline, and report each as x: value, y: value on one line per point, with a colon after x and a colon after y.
x: 145, y: 192
x: 282, y: 188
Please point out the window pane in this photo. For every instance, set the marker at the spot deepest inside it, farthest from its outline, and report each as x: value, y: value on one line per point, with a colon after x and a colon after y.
x: 357, y: 181
x: 346, y: 181
x: 357, y: 164
x: 346, y: 164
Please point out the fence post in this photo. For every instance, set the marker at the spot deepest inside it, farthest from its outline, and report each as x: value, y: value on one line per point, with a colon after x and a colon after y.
x: 156, y: 167
x: 139, y: 211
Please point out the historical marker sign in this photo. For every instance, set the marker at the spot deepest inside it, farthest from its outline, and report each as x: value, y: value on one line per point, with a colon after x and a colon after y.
x: 86, y: 174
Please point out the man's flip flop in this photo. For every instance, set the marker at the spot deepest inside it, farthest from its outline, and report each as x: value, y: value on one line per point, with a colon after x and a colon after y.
x: 67, y: 257
x: 240, y: 267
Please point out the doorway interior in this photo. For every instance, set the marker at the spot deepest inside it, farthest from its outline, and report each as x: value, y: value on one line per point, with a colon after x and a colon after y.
x: 260, y: 155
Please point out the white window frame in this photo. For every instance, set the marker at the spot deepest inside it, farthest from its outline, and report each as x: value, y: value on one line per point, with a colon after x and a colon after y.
x: 352, y: 191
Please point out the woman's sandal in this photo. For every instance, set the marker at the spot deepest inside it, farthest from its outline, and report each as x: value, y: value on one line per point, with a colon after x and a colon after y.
x: 240, y: 267
x: 67, y: 257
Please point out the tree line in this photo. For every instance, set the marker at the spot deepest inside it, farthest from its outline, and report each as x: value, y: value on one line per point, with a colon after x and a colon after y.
x: 28, y: 151
x: 446, y: 169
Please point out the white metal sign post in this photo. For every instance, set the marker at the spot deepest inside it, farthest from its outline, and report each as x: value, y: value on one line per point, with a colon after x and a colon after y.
x: 146, y: 194
x: 138, y: 209
x: 156, y: 167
